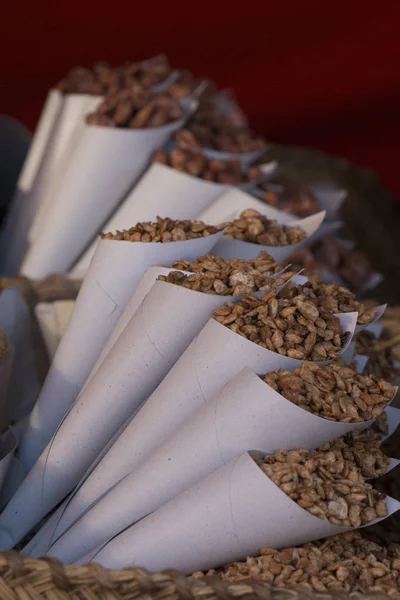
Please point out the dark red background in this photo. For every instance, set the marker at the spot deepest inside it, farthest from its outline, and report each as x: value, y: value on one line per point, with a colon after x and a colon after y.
x: 305, y: 71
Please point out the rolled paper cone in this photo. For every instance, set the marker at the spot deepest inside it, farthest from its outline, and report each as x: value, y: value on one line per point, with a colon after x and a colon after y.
x: 238, y: 200
x: 15, y: 321
x: 229, y: 247
x: 6, y: 365
x: 8, y: 443
x: 213, y: 358
x: 217, y: 521
x: 116, y: 270
x: 21, y: 212
x: 166, y: 192
x: 329, y: 200
x: 349, y: 353
x: 360, y: 362
x: 15, y: 475
x: 144, y: 353
x: 105, y: 164
x: 246, y: 414
x: 53, y: 319
x: 378, y: 315
x: 393, y: 420
x: 142, y: 289
x: 376, y: 329
x: 62, y: 144
x: 246, y: 158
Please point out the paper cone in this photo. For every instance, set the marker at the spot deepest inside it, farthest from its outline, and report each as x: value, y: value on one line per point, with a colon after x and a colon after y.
x: 329, y: 200
x: 376, y: 329
x: 6, y: 367
x: 378, y: 315
x: 230, y: 523
x: 246, y: 158
x: 63, y: 142
x: 360, y: 362
x: 142, y: 289
x: 21, y: 212
x: 245, y: 415
x: 53, y: 319
x: 229, y: 247
x: 212, y: 359
x: 393, y: 420
x: 105, y: 164
x: 8, y: 443
x: 116, y: 269
x: 168, y: 319
x: 24, y: 383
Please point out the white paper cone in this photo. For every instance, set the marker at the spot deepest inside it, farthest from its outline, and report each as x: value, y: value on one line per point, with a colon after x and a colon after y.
x: 24, y: 384
x: 21, y: 212
x: 393, y: 420
x: 40, y: 542
x: 376, y: 329
x: 116, y: 269
x: 360, y: 363
x: 8, y: 443
x: 229, y: 515
x: 53, y: 319
x: 63, y: 142
x: 245, y: 415
x: 378, y: 315
x: 212, y: 359
x: 15, y: 475
x: 162, y: 191
x: 105, y: 164
x: 246, y: 158
x: 167, y: 321
x: 142, y: 289
x: 329, y: 200
x: 229, y: 247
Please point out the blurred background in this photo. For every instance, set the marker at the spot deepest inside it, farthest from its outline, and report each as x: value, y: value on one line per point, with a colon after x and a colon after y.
x: 307, y: 73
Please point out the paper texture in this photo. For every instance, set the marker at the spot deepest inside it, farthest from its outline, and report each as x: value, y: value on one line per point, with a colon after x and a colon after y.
x: 393, y: 420
x: 21, y: 212
x: 24, y: 384
x: 105, y: 164
x: 213, y: 358
x: 245, y: 415
x: 53, y: 319
x: 61, y: 146
x: 116, y: 270
x: 246, y: 158
x: 230, y: 524
x: 229, y: 247
x: 168, y: 319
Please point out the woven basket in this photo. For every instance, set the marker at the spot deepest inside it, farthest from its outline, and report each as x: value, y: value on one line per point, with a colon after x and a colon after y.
x: 373, y: 221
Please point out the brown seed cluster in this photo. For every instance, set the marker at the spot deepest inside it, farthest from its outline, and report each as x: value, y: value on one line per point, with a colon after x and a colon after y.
x: 186, y: 84
x: 164, y: 230
x: 253, y: 227
x: 229, y: 172
x: 381, y: 359
x: 342, y: 563
x: 231, y: 281
x: 332, y: 297
x: 222, y: 138
x: 366, y: 453
x: 136, y: 108
x: 352, y: 266
x: 263, y: 265
x: 332, y: 391
x: 293, y: 328
x: 296, y: 201
x: 102, y: 78
x: 326, y: 484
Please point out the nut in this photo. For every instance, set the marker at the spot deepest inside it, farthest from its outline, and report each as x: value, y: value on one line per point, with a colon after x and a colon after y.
x: 193, y: 163
x: 164, y: 230
x: 325, y: 483
x: 231, y: 277
x: 306, y: 334
x: 251, y: 226
x: 342, y: 563
x: 381, y: 360
x: 136, y: 108
x: 333, y: 392
x: 331, y: 297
